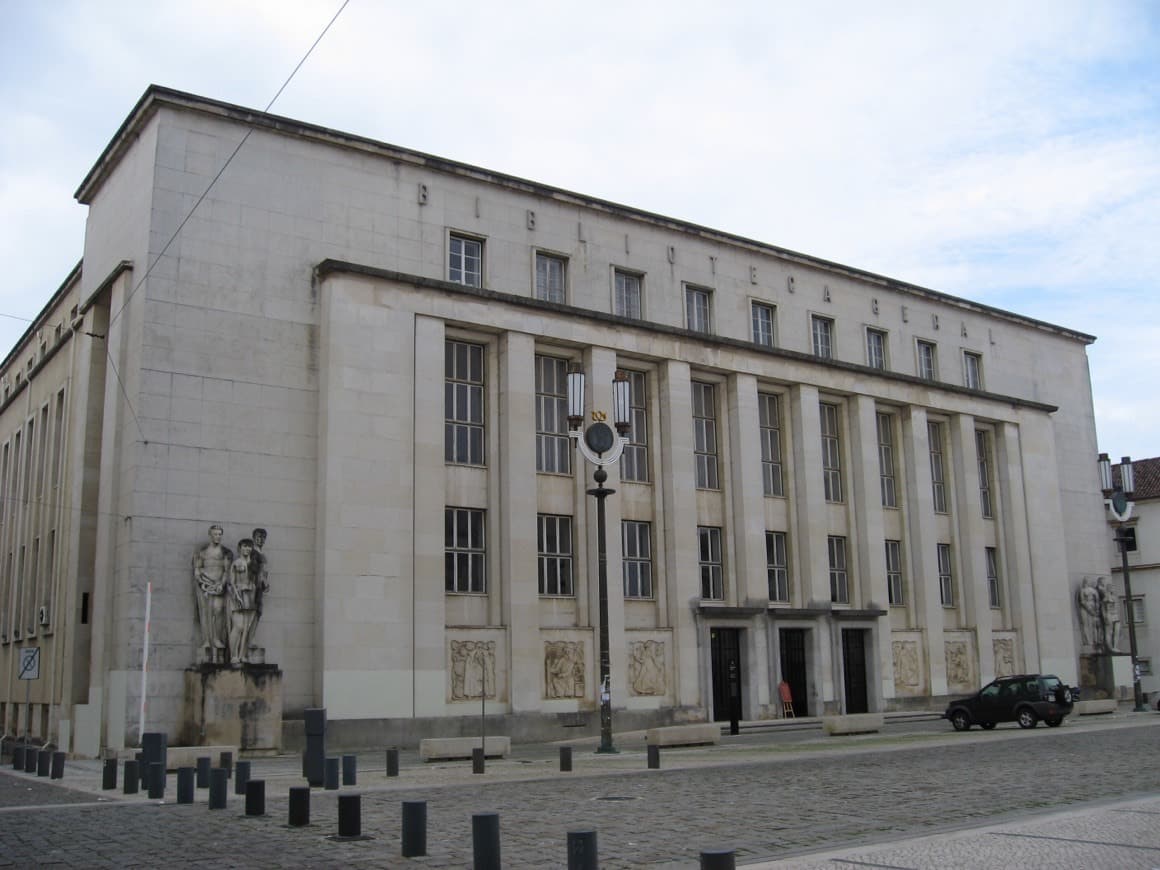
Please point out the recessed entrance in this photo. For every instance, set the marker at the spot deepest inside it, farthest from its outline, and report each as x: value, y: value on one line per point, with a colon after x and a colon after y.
x: 792, y: 642
x: 854, y: 669
x: 725, y: 645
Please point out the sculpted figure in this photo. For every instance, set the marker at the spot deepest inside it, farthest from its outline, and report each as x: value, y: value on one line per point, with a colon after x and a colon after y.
x: 243, y: 603
x: 260, y: 568
x: 1109, y: 615
x: 210, y: 575
x: 1088, y: 604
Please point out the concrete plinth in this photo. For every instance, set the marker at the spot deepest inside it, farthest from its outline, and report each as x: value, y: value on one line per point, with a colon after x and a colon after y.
x: 235, y: 706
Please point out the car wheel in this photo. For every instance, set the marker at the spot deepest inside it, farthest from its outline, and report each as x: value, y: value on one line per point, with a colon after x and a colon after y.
x: 1026, y: 718
x: 961, y: 720
x: 987, y: 726
x: 1054, y: 721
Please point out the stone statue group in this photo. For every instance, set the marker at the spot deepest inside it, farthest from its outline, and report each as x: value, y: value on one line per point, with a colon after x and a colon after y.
x: 229, y: 592
x: 1099, y: 615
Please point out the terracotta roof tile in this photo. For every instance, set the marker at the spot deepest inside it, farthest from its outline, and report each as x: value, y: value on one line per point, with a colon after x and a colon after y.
x: 1147, y: 473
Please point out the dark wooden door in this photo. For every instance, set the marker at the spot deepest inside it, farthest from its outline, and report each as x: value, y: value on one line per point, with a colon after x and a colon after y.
x: 854, y: 669
x: 793, y: 667
x: 725, y: 644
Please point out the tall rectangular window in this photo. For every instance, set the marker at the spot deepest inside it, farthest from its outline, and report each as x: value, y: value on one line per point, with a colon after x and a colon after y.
x: 895, y: 590
x: 698, y: 309
x: 993, y: 595
x: 554, y: 551
x: 709, y: 556
x: 705, y: 434
x: 946, y: 585
x: 627, y: 295
x: 822, y: 331
x: 634, y: 460
x: 876, y: 348
x: 551, y: 272
x: 464, y: 550
x: 465, y: 261
x: 463, y: 403
x: 764, y: 324
x: 553, y: 449
x: 831, y: 453
x: 769, y: 412
x: 839, y: 576
x: 886, y: 474
x: 927, y: 360
x: 938, y: 480
x: 983, y: 449
x: 973, y: 370
x: 777, y: 566
x: 636, y: 558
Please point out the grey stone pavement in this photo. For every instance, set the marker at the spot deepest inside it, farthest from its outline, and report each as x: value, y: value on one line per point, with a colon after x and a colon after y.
x: 916, y: 795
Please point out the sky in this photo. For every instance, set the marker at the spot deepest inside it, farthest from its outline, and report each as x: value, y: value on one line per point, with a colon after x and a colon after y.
x: 1004, y: 152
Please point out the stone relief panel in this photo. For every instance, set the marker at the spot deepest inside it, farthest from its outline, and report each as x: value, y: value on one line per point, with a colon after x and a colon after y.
x: 1004, y: 648
x: 646, y: 667
x: 564, y: 669
x: 472, y: 669
x: 907, y: 668
x: 960, y: 673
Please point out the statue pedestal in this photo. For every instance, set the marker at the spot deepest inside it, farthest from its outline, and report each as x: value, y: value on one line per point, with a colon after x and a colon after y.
x: 234, y: 706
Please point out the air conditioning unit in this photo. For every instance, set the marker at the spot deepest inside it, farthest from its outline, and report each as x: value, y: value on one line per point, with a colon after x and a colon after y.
x: 42, y: 616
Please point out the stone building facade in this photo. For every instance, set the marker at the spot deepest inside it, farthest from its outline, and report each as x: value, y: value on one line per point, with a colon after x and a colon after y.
x: 877, y: 492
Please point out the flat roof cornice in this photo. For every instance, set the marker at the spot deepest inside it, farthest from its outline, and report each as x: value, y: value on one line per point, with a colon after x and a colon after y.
x: 156, y: 96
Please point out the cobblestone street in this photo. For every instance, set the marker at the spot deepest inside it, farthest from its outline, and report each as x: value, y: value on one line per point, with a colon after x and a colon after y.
x: 763, y: 797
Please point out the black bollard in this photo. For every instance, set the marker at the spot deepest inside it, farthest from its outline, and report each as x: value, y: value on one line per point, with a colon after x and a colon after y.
x: 156, y: 780
x: 414, y: 828
x: 718, y: 859
x: 299, y: 806
x: 226, y: 763
x: 219, y: 779
x: 241, y: 777
x: 132, y: 778
x: 44, y: 762
x: 565, y: 758
x: 349, y: 816
x: 654, y: 757
x: 203, y: 768
x: 154, y: 747
x: 185, y: 783
x: 330, y: 778
x: 485, y: 841
x: 30, y: 755
x: 58, y: 765
x: 392, y: 762
x: 349, y: 767
x: 582, y: 851
x: 109, y: 774
x: 478, y: 762
x: 18, y: 757
x: 315, y: 756
x: 255, y: 797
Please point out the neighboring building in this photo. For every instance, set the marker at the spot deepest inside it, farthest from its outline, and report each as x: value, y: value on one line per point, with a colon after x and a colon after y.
x: 882, y: 493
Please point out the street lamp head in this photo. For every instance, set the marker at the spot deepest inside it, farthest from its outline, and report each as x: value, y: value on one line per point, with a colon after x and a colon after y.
x: 621, y: 392
x: 575, y: 395
x: 1127, y: 476
x: 1105, y: 465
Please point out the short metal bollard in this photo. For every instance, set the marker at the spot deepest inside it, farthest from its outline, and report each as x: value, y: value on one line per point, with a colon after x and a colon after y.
x: 582, y: 851
x: 392, y: 762
x: 132, y: 778
x: 485, y: 841
x: 58, y: 765
x: 142, y: 770
x: 44, y: 762
x: 241, y: 776
x: 330, y: 777
x: 718, y: 859
x: 203, y: 769
x: 30, y: 755
x: 185, y: 782
x: 654, y: 757
x: 156, y: 780
x: 299, y: 806
x: 478, y: 760
x: 565, y: 758
x: 219, y: 779
x: 109, y: 774
x: 349, y: 816
x: 18, y: 757
x: 349, y: 770
x: 226, y: 762
x: 414, y: 828
x: 255, y: 797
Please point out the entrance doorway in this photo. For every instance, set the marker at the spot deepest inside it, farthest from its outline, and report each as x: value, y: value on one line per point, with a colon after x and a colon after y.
x: 854, y: 669
x: 725, y: 647
x: 792, y: 642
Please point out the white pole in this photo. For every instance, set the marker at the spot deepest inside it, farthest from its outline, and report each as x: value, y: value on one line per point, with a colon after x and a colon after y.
x: 145, y: 661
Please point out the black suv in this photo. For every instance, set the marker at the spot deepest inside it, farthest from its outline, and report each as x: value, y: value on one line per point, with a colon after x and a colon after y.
x: 1025, y: 699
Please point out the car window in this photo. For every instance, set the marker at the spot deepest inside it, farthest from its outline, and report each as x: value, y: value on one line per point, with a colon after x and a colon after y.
x: 1051, y: 683
x: 990, y: 692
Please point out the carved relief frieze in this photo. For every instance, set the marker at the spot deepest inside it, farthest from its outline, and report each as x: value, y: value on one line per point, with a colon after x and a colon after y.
x: 472, y: 669
x: 646, y: 667
x: 564, y: 669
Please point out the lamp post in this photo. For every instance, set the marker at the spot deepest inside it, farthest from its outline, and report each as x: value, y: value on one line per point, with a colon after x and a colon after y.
x: 601, y: 446
x: 1117, y: 498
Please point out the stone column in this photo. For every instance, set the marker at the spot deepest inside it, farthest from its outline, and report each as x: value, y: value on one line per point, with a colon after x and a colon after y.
x: 971, y: 540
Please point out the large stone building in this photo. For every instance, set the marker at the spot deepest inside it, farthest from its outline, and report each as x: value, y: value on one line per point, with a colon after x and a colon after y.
x: 879, y: 492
